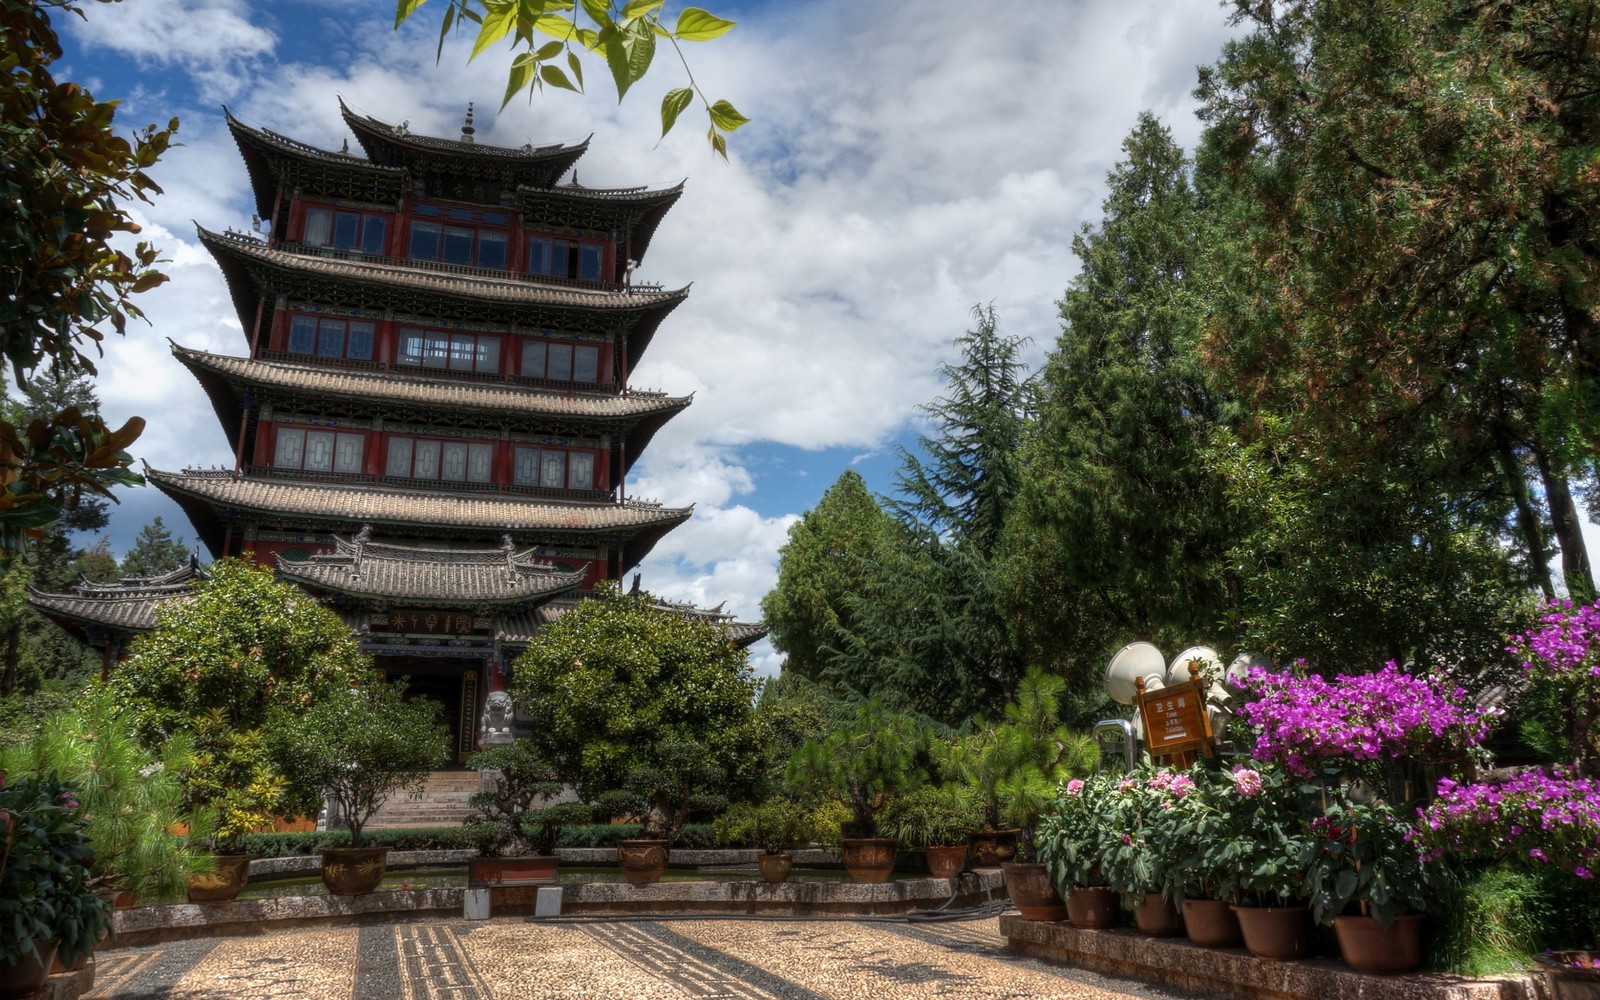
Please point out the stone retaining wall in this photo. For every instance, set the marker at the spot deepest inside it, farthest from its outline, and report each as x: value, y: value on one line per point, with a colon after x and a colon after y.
x: 1233, y: 973
x: 150, y: 924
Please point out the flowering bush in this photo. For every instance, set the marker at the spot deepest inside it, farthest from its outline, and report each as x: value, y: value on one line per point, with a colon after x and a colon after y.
x: 1136, y: 858
x: 1534, y: 817
x: 44, y: 871
x: 1565, y: 651
x: 1304, y: 723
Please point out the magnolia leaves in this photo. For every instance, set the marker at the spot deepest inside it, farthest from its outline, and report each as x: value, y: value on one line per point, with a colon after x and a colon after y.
x: 556, y: 35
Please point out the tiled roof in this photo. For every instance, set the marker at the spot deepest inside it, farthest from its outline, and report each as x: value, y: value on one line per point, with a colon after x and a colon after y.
x: 490, y: 398
x: 476, y: 576
x: 522, y: 627
x: 366, y: 127
x: 377, y: 505
x: 421, y: 278
x: 128, y: 605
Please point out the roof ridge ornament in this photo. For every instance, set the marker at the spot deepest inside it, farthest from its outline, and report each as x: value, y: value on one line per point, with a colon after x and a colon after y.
x: 360, y: 544
x: 510, y: 549
x: 467, y: 130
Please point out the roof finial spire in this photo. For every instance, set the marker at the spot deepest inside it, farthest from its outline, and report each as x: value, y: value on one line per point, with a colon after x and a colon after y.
x: 467, y: 129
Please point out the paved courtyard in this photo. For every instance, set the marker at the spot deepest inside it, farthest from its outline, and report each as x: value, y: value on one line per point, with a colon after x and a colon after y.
x: 633, y: 959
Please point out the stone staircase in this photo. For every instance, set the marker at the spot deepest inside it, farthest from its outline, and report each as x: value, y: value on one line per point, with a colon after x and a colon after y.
x: 442, y: 801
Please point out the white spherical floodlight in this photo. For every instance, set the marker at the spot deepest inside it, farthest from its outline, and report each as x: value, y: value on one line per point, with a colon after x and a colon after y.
x: 1209, y: 662
x: 1134, y: 661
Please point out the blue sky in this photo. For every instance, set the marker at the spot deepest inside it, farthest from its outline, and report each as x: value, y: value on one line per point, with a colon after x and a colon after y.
x: 905, y: 162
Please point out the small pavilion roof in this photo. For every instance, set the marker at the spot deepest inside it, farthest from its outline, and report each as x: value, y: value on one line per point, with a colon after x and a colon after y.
x: 361, y: 568
x: 127, y: 606
x: 397, y: 145
x: 249, y: 265
x: 227, y: 379
x: 211, y: 497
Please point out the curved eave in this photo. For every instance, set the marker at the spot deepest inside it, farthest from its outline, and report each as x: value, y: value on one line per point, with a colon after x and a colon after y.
x: 537, y: 589
x: 117, y: 615
x: 536, y: 167
x: 247, y: 264
x: 226, y: 379
x: 210, y: 498
x: 648, y: 206
x: 266, y: 155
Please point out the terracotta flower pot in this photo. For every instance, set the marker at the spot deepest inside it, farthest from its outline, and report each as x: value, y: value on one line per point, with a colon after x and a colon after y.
x: 1157, y: 916
x: 868, y: 859
x: 945, y: 861
x: 1275, y: 933
x: 993, y: 848
x: 529, y: 869
x: 223, y: 884
x: 1032, y: 892
x: 1092, y: 908
x: 353, y: 871
x: 1383, y: 951
x: 25, y: 978
x: 774, y: 867
x: 1210, y: 923
x: 643, y: 861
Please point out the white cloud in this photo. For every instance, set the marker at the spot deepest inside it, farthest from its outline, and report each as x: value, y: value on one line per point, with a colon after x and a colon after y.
x: 903, y: 165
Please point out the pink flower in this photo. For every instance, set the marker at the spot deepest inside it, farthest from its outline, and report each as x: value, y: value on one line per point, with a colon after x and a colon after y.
x: 1582, y: 872
x: 1247, y: 782
x: 1075, y: 786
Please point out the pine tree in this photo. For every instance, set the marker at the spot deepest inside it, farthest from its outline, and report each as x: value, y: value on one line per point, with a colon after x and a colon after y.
x: 154, y: 552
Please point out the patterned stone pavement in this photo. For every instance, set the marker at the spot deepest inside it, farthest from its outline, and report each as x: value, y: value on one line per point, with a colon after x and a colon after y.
x: 631, y: 959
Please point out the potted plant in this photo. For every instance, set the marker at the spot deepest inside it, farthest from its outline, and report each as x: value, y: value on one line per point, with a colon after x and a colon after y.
x: 1074, y: 834
x: 360, y: 746
x: 1266, y: 838
x: 130, y: 797
x: 772, y: 826
x: 230, y: 789
x: 47, y: 909
x: 674, y: 777
x: 1016, y: 767
x: 864, y: 764
x: 934, y: 819
x: 1137, y: 863
x: 515, y: 837
x: 1192, y: 840
x: 1362, y: 855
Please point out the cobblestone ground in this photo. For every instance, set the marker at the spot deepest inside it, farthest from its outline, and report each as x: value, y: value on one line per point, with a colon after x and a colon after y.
x: 630, y: 959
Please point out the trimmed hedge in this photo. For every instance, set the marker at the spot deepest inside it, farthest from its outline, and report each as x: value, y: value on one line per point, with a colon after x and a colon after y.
x: 446, y: 838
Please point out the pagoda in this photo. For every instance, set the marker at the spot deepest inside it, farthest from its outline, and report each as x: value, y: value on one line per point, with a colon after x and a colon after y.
x: 432, y: 422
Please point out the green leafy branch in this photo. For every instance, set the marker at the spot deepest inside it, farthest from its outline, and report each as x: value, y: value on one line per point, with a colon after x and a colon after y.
x: 555, y: 35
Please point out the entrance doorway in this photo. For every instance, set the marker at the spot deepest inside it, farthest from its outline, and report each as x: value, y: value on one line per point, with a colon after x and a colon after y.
x: 455, y: 685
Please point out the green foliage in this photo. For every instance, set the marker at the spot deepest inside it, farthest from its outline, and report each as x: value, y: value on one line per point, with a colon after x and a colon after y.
x: 1491, y: 922
x: 932, y: 816
x: 774, y: 825
x: 1015, y: 765
x: 864, y: 764
x: 64, y: 175
x: 833, y: 552
x: 1118, y: 529
x: 637, y: 701
x: 1074, y: 832
x: 1421, y: 283
x: 154, y: 552
x: 130, y: 796
x: 44, y: 858
x: 360, y: 745
x: 622, y: 35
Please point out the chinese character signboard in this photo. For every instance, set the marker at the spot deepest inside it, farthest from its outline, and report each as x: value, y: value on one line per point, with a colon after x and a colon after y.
x: 432, y: 621
x: 1175, y: 720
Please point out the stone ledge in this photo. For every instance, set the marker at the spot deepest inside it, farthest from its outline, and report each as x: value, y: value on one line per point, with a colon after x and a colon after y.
x: 1233, y: 973
x: 150, y: 924
x: 301, y: 864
